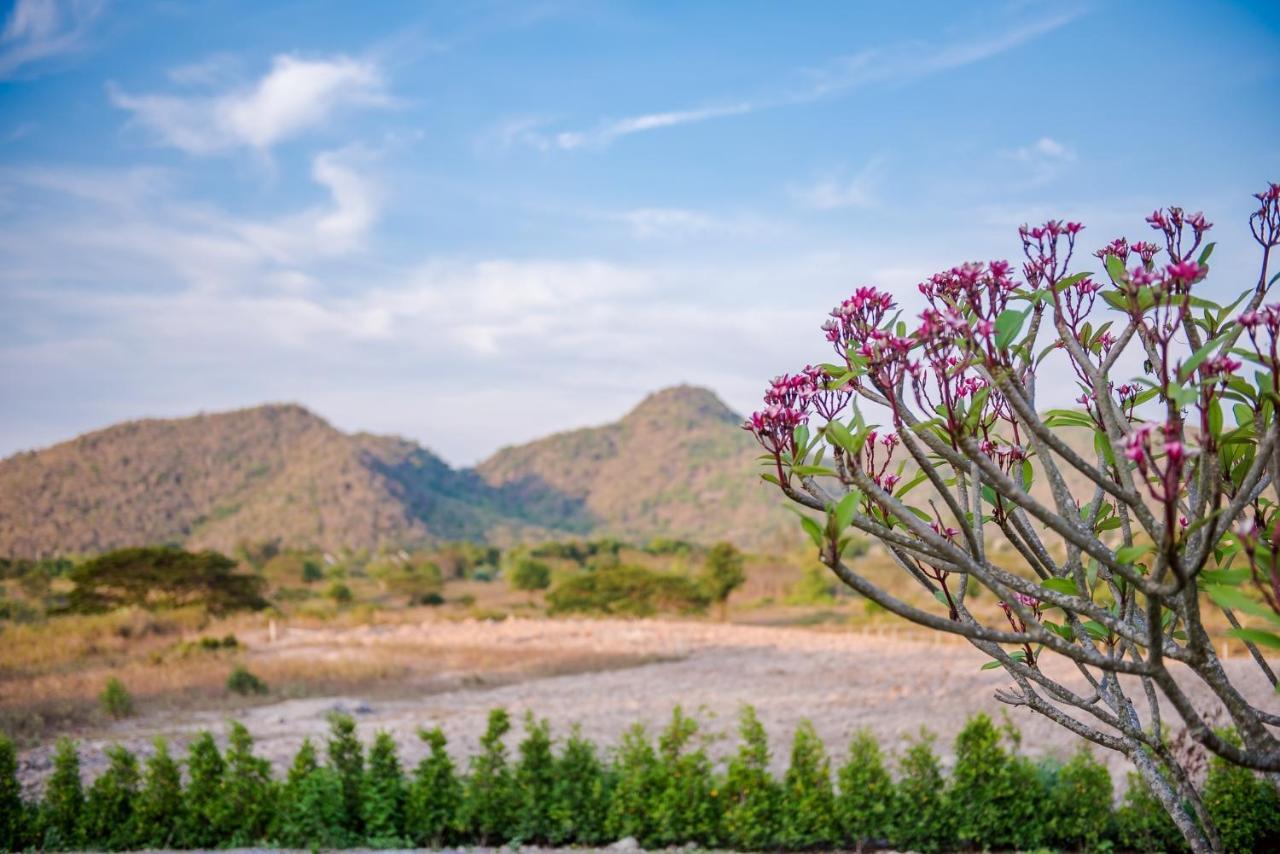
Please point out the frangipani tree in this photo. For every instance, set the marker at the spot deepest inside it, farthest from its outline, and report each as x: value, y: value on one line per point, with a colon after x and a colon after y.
x: 1180, y: 510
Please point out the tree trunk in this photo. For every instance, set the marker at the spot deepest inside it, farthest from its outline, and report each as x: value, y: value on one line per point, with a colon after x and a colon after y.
x: 1164, y: 792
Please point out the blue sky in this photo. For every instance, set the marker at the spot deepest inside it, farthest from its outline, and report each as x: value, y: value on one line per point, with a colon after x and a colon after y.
x: 475, y: 223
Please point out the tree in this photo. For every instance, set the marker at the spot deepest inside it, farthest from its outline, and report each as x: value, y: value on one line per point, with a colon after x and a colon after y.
x: 346, y: 761
x: 162, y: 577
x: 433, y: 813
x: 753, y: 799
x: 61, y: 811
x: 529, y: 574
x: 722, y: 574
x: 14, y: 831
x: 865, y: 805
x: 384, y: 795
x: 1109, y: 557
x: 160, y: 801
x: 490, y: 803
x: 110, y: 808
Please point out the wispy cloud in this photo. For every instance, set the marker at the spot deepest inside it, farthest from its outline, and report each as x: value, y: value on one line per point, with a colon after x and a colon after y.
x: 1044, y: 159
x: 834, y: 192
x: 295, y: 96
x: 901, y: 62
x: 38, y: 30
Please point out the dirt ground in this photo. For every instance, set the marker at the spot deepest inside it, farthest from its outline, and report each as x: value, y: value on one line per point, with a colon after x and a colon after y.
x: 606, y: 675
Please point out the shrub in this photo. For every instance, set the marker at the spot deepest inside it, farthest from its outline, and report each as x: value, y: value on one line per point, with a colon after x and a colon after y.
x: 722, y: 573
x: 687, y: 808
x: 115, y: 699
x: 752, y: 798
x: 579, y: 795
x: 311, y: 572
x: 434, y: 804
x: 922, y: 821
x: 1142, y: 824
x: 109, y: 819
x: 489, y: 804
x: 244, y: 683
x: 638, y: 785
x: 202, y: 796
x: 630, y: 591
x: 384, y: 795
x: 311, y: 810
x: 63, y: 804
x: 1242, y: 806
x: 160, y: 801
x: 340, y: 593
x: 1079, y: 805
x: 865, y: 805
x: 534, y: 781
x: 247, y: 799
x: 15, y: 832
x: 994, y: 793
x: 808, y: 803
x: 346, y: 761
x: 529, y: 574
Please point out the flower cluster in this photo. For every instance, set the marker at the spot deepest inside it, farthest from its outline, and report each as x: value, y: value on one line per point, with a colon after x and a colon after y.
x: 1265, y: 221
x: 1263, y: 326
x: 854, y: 319
x: 1163, y: 482
x: 1172, y: 223
x: 787, y: 404
x: 1048, y: 249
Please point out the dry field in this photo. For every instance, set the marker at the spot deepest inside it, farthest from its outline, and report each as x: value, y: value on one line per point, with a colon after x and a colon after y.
x: 601, y: 675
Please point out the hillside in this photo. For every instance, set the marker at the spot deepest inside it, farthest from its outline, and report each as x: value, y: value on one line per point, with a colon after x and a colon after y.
x: 677, y: 466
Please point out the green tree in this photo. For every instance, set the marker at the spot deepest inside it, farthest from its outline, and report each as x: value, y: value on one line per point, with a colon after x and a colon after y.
x: 534, y: 780
x: 155, y: 576
x: 109, y: 818
x: 752, y: 798
x: 115, y: 700
x: 688, y: 805
x: 922, y: 821
x: 346, y: 760
x: 160, y: 801
x: 14, y: 815
x: 529, y: 574
x: 808, y: 802
x: 311, y: 810
x: 63, y: 805
x: 384, y: 795
x: 1000, y: 792
x: 1079, y: 806
x: 580, y: 795
x: 636, y: 790
x: 490, y: 803
x: 202, y: 797
x: 722, y: 573
x: 247, y: 802
x: 865, y: 804
x: 433, y: 813
x: 1242, y: 805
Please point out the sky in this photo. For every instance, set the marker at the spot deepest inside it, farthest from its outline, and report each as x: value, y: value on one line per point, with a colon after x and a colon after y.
x: 472, y: 224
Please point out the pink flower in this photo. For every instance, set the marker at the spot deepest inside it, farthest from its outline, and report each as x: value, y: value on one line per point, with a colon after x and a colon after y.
x: 1185, y: 271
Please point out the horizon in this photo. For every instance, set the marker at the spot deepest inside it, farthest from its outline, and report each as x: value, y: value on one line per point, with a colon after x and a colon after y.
x: 473, y: 226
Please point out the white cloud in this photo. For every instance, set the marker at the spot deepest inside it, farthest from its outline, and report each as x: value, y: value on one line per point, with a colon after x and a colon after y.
x: 841, y: 75
x: 295, y: 96
x: 1045, y: 159
x: 39, y: 30
x: 835, y: 192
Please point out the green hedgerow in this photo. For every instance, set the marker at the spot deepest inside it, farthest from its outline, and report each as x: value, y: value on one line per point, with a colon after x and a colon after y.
x: 311, y: 810
x: 865, y: 805
x: 1242, y: 805
x: 15, y: 830
x: 489, y: 805
x: 579, y: 795
x: 384, y: 795
x: 752, y: 798
x: 346, y: 760
x: 1142, y: 823
x: 995, y: 794
x: 247, y: 803
x: 1079, y: 803
x: 203, y: 794
x: 109, y: 818
x: 808, y: 801
x: 534, y: 781
x: 160, y: 801
x: 922, y: 821
x: 115, y: 699
x: 63, y: 804
x: 638, y: 785
x: 434, y: 806
x: 687, y: 807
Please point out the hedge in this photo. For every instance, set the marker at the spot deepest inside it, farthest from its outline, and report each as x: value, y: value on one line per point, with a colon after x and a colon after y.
x: 661, y: 793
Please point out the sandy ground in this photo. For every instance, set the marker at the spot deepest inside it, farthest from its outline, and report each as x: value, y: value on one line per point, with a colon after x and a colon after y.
x: 841, y: 681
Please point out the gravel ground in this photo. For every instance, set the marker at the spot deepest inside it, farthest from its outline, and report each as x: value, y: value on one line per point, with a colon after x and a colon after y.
x: 840, y: 681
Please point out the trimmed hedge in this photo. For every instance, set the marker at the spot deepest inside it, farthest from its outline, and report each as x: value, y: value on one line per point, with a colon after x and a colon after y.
x: 661, y: 793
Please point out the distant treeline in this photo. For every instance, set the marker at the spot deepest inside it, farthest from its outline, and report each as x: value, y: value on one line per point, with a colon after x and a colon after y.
x: 663, y: 794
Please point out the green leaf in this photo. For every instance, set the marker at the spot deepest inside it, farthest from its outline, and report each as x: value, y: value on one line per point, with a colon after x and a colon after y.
x: 844, y: 511
x: 990, y: 665
x: 1115, y: 269
x: 1008, y: 325
x: 809, y: 471
x: 1096, y: 630
x: 1129, y: 554
x: 1237, y: 599
x: 813, y: 529
x: 840, y: 434
x: 1060, y: 585
x: 1188, y: 368
x: 1257, y: 636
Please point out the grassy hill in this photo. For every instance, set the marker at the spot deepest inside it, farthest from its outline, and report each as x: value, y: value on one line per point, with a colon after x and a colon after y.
x: 676, y: 466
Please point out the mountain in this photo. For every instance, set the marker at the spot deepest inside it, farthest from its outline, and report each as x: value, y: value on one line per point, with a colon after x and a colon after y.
x: 677, y: 466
